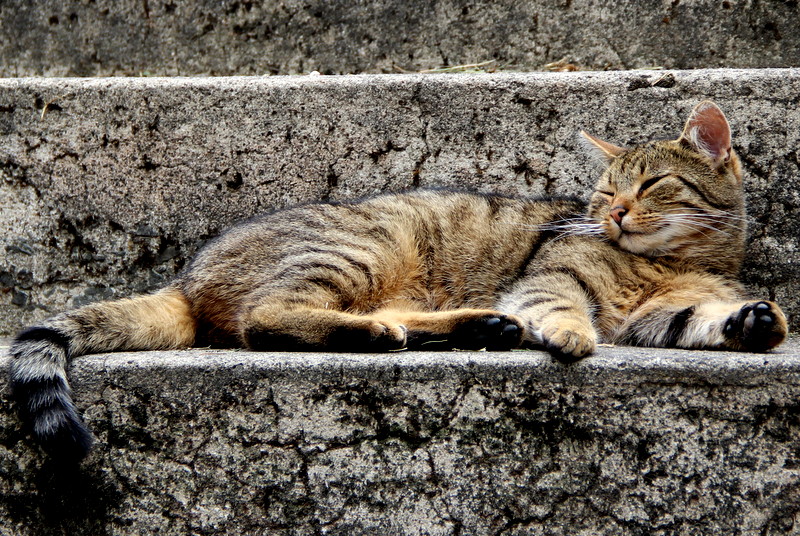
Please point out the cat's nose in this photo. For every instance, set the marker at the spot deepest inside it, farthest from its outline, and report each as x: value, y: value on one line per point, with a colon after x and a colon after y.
x: 618, y: 212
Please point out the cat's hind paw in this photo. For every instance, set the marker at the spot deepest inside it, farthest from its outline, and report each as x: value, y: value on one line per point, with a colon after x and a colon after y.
x: 756, y: 327
x: 368, y: 336
x: 467, y: 330
x: 493, y: 332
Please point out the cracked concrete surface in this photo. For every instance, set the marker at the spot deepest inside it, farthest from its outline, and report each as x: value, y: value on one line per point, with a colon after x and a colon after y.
x: 107, y: 187
x: 255, y: 37
x: 630, y: 441
x: 110, y: 185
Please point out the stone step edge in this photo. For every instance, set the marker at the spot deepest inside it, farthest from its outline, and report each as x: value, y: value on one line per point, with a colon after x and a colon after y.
x: 457, y: 78
x: 730, y: 367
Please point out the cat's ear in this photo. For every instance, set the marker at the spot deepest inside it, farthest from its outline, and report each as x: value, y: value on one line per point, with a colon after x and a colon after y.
x: 606, y: 151
x: 707, y: 132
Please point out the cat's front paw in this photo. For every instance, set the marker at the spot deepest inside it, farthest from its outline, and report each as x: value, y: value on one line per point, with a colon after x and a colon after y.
x: 569, y: 341
x: 756, y: 327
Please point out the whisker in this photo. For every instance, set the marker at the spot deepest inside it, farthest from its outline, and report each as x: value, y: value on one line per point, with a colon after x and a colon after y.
x: 720, y: 214
x: 704, y: 211
x: 691, y: 223
x: 729, y: 220
x: 577, y: 226
x: 709, y: 219
x: 720, y: 217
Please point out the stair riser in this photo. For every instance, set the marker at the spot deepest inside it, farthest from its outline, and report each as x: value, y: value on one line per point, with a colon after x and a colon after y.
x: 130, y: 37
x: 111, y: 189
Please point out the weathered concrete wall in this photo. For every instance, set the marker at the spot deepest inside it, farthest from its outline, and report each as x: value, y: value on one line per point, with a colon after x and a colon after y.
x: 256, y: 37
x: 631, y: 442
x: 109, y: 185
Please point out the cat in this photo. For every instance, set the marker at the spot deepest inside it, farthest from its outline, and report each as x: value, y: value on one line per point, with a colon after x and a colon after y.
x: 651, y: 260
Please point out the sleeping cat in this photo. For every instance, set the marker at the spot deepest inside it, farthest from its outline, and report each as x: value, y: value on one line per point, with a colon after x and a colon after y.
x: 651, y: 261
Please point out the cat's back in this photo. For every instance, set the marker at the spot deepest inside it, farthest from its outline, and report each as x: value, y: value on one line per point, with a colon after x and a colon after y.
x: 390, y: 220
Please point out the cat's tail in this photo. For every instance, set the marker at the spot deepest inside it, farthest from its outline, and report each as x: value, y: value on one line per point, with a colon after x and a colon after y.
x: 38, y: 372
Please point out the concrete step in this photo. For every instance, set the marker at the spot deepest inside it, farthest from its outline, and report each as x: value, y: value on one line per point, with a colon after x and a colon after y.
x: 256, y: 37
x: 109, y: 185
x: 629, y: 442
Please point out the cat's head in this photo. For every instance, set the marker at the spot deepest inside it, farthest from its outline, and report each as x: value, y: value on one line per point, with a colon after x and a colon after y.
x: 678, y: 198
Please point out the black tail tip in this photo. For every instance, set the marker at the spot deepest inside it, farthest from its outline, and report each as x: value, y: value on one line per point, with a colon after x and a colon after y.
x: 48, y: 413
x: 69, y: 443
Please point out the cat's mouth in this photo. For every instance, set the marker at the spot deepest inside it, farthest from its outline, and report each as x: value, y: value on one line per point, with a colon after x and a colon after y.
x: 617, y: 230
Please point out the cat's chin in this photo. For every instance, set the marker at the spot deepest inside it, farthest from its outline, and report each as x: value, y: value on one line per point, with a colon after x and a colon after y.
x: 649, y: 245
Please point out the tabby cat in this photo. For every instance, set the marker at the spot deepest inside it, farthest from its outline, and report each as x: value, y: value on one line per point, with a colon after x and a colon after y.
x: 651, y: 261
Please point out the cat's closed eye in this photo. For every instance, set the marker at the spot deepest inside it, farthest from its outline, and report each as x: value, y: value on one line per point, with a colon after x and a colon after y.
x: 649, y: 183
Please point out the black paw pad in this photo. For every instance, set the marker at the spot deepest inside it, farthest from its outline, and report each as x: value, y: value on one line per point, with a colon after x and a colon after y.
x: 753, y: 326
x: 491, y: 332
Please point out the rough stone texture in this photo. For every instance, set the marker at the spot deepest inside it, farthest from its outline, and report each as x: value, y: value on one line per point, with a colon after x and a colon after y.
x: 628, y: 442
x: 254, y: 37
x: 109, y: 185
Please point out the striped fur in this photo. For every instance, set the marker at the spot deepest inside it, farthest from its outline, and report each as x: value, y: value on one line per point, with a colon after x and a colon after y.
x: 651, y: 260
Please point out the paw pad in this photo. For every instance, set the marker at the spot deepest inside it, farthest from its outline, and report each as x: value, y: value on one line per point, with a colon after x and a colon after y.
x: 756, y: 326
x: 493, y: 332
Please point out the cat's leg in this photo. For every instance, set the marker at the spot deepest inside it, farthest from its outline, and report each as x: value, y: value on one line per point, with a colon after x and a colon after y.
x: 317, y: 301
x: 702, y: 311
x: 742, y: 326
x: 557, y: 312
x: 465, y: 329
x: 281, y: 325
